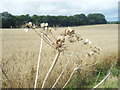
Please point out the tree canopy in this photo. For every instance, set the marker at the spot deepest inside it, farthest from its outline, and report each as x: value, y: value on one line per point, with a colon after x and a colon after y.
x: 9, y: 20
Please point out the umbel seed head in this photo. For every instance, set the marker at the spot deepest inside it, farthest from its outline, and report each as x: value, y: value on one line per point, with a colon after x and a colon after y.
x: 61, y: 39
x: 69, y: 31
x: 42, y: 25
x: 87, y: 41
x: 30, y: 24
x: 46, y: 24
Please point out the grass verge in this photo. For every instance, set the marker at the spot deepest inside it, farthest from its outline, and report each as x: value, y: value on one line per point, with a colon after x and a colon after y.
x: 91, y: 78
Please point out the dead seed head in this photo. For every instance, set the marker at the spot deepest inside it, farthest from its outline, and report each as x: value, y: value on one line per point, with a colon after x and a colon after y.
x: 46, y: 28
x: 59, y: 43
x: 69, y: 31
x: 98, y: 48
x: 90, y: 53
x: 61, y: 39
x: 50, y: 29
x: 30, y: 23
x: 46, y: 24
x: 42, y: 25
x: 87, y: 41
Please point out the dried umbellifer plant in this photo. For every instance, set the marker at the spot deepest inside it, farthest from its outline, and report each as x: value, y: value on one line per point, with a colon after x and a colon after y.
x: 72, y: 37
x: 59, y: 44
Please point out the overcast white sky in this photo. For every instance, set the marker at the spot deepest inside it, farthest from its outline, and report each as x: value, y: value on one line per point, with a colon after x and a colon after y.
x: 61, y: 7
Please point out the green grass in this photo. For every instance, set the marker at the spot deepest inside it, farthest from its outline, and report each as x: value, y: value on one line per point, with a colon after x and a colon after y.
x: 79, y: 81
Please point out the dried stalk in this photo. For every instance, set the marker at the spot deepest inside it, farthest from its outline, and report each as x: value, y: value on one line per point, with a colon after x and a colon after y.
x: 43, y: 38
x: 73, y: 53
x: 47, y: 38
x: 68, y: 79
x: 51, y: 68
x: 70, y: 75
x: 74, y: 71
x: 101, y: 81
x: 41, y: 43
x: 91, y: 65
x: 61, y: 73
x: 53, y: 36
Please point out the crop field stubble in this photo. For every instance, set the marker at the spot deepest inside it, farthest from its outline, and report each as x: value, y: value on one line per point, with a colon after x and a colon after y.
x: 20, y: 53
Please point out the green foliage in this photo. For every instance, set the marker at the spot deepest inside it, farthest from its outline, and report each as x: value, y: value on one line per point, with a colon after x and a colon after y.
x: 115, y: 71
x: 96, y: 18
x: 9, y: 20
x: 79, y: 81
x: 114, y: 22
x: 111, y: 82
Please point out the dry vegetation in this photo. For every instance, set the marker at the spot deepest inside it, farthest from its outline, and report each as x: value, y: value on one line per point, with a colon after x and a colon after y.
x: 20, y: 54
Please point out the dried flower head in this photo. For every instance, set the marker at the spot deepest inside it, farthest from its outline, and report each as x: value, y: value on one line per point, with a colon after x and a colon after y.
x: 49, y: 29
x: 98, y: 48
x: 27, y: 25
x: 46, y: 28
x: 95, y: 49
x: 59, y: 43
x: 60, y: 39
x: 30, y: 23
x: 90, y: 53
x: 69, y: 31
x: 87, y: 41
x: 42, y: 25
x: 46, y: 24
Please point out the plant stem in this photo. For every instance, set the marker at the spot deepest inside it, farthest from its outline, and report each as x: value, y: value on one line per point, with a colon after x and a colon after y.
x: 61, y: 73
x: 68, y: 79
x: 41, y: 43
x: 51, y: 68
x: 43, y: 38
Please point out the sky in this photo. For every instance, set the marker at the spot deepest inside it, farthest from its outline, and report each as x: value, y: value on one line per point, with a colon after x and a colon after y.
x: 61, y: 7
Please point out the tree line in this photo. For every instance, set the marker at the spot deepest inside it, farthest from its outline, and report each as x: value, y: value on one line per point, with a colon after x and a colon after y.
x: 15, y: 21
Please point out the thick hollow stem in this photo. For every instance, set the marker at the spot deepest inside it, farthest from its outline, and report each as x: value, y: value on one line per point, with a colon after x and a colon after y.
x: 51, y: 68
x: 38, y: 63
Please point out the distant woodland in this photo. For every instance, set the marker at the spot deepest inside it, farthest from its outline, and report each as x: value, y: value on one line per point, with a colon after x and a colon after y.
x: 15, y: 21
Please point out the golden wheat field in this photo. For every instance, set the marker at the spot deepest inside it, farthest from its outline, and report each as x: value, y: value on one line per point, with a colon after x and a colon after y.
x: 20, y: 54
